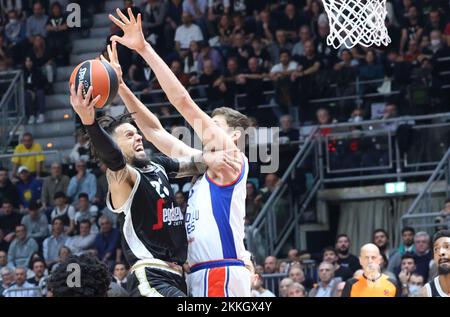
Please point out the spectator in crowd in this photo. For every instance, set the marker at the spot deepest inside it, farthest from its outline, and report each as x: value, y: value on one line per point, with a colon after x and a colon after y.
x: 35, y: 84
x: 381, y: 239
x: 9, y: 219
x: 304, y: 35
x: 252, y: 82
x: 258, y: 289
x: 29, y: 188
x: 7, y: 275
x: 81, y: 150
x: 423, y: 253
x: 240, y: 50
x: 21, y: 288
x: 8, y: 192
x: 209, y: 53
x: 415, y: 284
x: 3, y: 260
x: 296, y: 274
x: 180, y: 198
x: 280, y: 45
x: 102, y: 187
x: 264, y: 61
x: 15, y: 36
x: 407, y: 246
x: 63, y: 211
x: 284, y: 286
x: 346, y: 259
x: 172, y: 20
x: 296, y: 290
x: 372, y: 283
x: 55, y: 182
x: 153, y: 17
x: 436, y: 48
x: 193, y: 65
x: 283, y: 267
x: 407, y: 268
x: 270, y: 184
x: 326, y: 287
x: 212, y: 78
x: 36, y: 223
x: 63, y: 254
x: 86, y: 211
x: 120, y: 275
x: 82, y: 182
x: 293, y: 255
x: 58, y: 36
x: 36, y: 23
x: 330, y: 255
x: 287, y: 132
x: 230, y: 79
x: 290, y: 21
x: 308, y: 66
x: 38, y: 267
x: 185, y: 34
x: 196, y: 8
x: 384, y: 263
x: 265, y: 27
x: 412, y: 30
x: 54, y: 242
x: 106, y: 242
x: 444, y: 218
x: 34, y: 163
x: 81, y: 243
x: 21, y: 248
x: 280, y: 74
x: 371, y: 70
x: 270, y: 265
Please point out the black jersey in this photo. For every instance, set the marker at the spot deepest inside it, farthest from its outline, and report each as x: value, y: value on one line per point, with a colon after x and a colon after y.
x: 434, y: 288
x: 152, y: 225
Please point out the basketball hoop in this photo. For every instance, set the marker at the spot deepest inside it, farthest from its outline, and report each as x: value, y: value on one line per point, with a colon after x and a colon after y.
x: 355, y: 22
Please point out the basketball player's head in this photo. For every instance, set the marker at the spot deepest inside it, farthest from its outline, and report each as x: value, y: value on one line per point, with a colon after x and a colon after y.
x: 126, y: 136
x: 441, y: 250
x: 231, y: 121
x: 370, y: 260
x: 94, y: 278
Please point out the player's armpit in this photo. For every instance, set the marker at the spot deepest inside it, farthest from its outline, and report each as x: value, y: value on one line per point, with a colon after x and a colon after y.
x: 119, y: 177
x: 120, y: 184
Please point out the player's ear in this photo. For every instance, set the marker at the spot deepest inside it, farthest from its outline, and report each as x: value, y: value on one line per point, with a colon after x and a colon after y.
x: 236, y: 135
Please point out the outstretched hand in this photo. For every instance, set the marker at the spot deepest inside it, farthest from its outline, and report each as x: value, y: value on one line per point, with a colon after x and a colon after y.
x: 113, y: 60
x: 83, y: 106
x: 133, y: 37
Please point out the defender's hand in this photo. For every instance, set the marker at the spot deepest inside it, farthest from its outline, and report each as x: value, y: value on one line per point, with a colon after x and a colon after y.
x: 114, y: 60
x: 133, y: 37
x: 83, y: 106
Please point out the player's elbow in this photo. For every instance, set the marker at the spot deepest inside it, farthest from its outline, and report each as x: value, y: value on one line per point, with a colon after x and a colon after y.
x: 181, y: 99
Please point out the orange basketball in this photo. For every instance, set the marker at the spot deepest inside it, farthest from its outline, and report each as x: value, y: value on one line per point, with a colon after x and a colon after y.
x: 101, y: 76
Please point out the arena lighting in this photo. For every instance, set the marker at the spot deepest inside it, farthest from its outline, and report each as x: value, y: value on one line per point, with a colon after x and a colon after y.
x: 395, y: 188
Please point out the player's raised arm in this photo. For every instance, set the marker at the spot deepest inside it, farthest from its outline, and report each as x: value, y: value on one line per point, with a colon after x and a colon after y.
x: 120, y: 177
x: 147, y: 122
x: 213, y: 137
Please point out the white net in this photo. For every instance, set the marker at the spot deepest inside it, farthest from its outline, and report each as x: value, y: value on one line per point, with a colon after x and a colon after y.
x: 356, y: 22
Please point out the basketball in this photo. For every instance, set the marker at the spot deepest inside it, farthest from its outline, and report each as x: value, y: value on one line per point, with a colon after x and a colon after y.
x: 101, y: 76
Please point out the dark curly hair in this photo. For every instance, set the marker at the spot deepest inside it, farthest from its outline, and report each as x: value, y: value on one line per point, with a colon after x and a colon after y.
x: 109, y: 124
x: 94, y: 278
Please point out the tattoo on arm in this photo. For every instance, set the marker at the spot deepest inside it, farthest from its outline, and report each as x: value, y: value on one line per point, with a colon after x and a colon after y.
x: 190, y: 166
x: 117, y: 177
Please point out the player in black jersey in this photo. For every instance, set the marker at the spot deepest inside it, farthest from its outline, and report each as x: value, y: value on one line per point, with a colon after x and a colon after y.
x: 152, y: 225
x: 439, y: 286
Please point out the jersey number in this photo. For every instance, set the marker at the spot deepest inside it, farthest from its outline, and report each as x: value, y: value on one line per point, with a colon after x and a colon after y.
x: 159, y: 214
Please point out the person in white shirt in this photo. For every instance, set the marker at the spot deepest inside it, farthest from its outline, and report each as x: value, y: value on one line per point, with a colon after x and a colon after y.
x: 86, y: 211
x: 81, y: 243
x: 64, y: 211
x: 21, y: 288
x: 327, y: 283
x: 281, y: 75
x: 258, y: 289
x: 186, y: 33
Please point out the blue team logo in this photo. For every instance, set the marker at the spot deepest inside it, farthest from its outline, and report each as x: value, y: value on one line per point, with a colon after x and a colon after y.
x: 191, y: 217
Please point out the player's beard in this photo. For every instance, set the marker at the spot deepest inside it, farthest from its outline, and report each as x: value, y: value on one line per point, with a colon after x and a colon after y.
x: 443, y: 270
x: 140, y: 162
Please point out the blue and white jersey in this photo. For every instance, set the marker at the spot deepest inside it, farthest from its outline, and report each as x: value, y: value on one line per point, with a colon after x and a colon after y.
x: 215, y: 219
